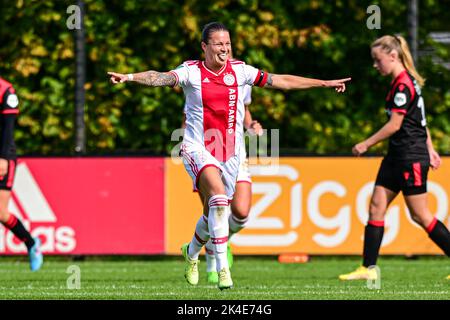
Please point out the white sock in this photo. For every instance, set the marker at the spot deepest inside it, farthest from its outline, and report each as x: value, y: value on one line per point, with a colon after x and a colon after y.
x: 210, y: 257
x: 236, y: 224
x: 201, y: 236
x: 218, y: 228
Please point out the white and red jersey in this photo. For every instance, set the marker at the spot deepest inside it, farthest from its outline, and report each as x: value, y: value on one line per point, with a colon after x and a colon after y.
x: 214, y: 104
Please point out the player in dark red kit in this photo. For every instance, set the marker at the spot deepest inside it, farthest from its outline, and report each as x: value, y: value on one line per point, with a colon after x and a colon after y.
x: 8, y: 113
x: 410, y: 154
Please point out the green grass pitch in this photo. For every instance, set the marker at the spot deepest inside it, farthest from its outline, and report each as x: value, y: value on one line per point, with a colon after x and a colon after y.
x: 254, y: 278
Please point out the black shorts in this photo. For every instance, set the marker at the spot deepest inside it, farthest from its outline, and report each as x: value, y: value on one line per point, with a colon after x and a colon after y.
x: 406, y: 175
x: 6, y: 182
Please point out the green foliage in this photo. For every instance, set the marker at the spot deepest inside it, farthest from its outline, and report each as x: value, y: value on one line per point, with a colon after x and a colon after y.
x: 321, y: 39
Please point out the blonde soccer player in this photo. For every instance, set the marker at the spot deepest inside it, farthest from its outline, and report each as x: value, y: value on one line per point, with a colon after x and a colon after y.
x: 410, y: 154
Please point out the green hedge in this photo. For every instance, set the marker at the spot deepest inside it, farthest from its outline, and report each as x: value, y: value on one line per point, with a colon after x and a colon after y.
x: 324, y: 39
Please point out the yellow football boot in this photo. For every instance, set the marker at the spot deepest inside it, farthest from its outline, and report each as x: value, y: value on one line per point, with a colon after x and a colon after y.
x: 191, y: 269
x: 225, y: 281
x: 362, y: 273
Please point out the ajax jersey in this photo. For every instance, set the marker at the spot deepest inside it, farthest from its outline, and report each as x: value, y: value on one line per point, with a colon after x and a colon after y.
x: 214, y: 105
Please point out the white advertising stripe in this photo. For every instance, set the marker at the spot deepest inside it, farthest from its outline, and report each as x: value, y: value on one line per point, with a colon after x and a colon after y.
x: 29, y: 195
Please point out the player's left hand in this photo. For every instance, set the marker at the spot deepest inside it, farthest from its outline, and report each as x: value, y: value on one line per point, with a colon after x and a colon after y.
x: 359, y: 148
x: 256, y: 128
x: 339, y: 84
x: 435, y: 159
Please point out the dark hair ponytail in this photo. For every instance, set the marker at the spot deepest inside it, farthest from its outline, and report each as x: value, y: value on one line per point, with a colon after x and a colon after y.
x: 210, y: 28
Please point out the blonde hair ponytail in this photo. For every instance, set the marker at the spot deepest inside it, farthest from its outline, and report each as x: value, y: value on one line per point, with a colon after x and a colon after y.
x: 399, y: 44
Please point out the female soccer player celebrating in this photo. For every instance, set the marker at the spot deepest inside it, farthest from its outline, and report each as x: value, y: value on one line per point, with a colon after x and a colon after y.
x: 242, y: 198
x: 410, y: 153
x: 214, y: 132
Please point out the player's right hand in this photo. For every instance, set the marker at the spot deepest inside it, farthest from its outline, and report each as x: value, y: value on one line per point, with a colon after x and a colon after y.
x: 359, y: 149
x: 118, y: 77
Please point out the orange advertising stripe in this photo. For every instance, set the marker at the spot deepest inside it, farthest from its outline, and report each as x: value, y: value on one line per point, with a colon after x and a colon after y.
x: 310, y: 205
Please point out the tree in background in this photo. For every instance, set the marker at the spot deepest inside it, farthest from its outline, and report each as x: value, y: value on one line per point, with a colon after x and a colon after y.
x: 300, y: 37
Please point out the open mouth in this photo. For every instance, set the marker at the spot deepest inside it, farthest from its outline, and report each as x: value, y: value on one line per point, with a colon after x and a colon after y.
x: 223, y: 56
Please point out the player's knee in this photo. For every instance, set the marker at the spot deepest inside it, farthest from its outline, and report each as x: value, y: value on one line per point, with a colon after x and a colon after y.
x: 376, y: 211
x: 416, y: 218
x: 240, y: 211
x: 422, y: 220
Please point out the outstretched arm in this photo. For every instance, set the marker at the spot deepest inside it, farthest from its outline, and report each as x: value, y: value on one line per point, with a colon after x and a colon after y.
x: 391, y: 127
x: 149, y: 78
x: 290, y: 82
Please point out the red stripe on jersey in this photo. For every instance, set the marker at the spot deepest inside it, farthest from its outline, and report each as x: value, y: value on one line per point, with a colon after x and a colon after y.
x: 10, y: 111
x: 417, y: 174
x: 11, y: 171
x: 402, y: 111
x: 192, y: 62
x: 5, y: 85
x: 400, y: 81
x: 220, y: 102
x: 190, y: 161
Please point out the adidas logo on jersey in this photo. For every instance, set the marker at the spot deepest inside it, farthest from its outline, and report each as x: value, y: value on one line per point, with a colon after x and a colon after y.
x: 206, y: 80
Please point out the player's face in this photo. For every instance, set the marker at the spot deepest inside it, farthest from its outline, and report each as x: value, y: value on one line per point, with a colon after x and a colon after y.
x: 217, y: 50
x: 382, y: 61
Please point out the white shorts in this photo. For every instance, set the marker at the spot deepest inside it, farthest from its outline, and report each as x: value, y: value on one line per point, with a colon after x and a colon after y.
x: 196, y: 159
x: 244, y: 172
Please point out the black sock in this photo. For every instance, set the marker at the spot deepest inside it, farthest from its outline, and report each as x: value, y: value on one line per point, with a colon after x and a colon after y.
x: 373, y: 235
x: 440, y: 235
x: 19, y: 231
